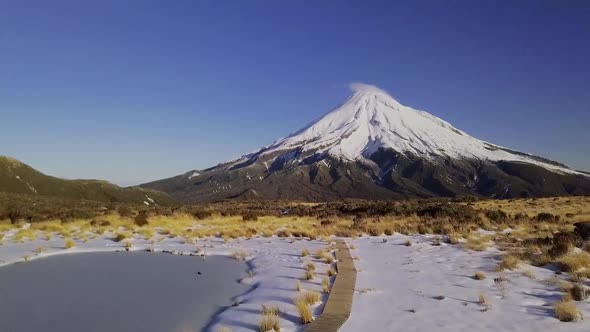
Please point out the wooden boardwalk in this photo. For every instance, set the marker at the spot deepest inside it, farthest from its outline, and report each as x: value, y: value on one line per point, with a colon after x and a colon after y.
x: 339, y: 303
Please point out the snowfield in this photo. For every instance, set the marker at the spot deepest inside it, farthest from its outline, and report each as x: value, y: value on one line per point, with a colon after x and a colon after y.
x: 422, y: 287
x: 400, y: 288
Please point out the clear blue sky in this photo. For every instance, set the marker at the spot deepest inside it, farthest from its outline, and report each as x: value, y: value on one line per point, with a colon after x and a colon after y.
x: 138, y: 90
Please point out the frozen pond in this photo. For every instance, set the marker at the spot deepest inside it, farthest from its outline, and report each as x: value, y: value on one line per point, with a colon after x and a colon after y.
x: 125, y: 291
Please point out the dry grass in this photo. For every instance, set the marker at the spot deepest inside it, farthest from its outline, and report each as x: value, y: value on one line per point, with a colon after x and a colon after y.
x: 453, y: 238
x: 224, y: 329
x: 477, y: 243
x: 479, y: 275
x: 308, y: 275
x: 329, y: 258
x: 482, y: 299
x: 579, y: 292
x: 529, y: 274
x: 270, y: 319
x: 320, y: 253
x: 310, y: 266
x: 484, y: 302
x: 121, y: 236
x: 310, y: 297
x: 298, y: 286
x: 566, y: 311
x: 271, y: 310
x: 457, y: 220
x: 331, y: 272
x: 574, y: 262
x: 326, y: 285
x: 408, y: 243
x: 69, y: 243
x: 240, y: 254
x: 304, y: 252
x: 304, y: 311
x: 509, y: 262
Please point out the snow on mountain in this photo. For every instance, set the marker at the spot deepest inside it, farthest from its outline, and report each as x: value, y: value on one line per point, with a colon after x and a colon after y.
x: 371, y: 119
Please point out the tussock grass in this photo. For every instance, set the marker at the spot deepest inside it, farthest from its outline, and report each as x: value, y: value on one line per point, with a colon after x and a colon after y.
x: 270, y: 319
x: 304, y: 252
x: 326, y: 285
x: 331, y: 272
x: 69, y: 243
x: 482, y: 299
x: 147, y: 233
x: 484, y: 302
x: 240, y: 254
x: 304, y: 311
x: 121, y: 236
x: 298, y: 286
x: 310, y: 297
x: 23, y: 234
x: 479, y: 275
x: 566, y: 311
x: 529, y: 274
x: 308, y: 275
x: 408, y: 243
x: 328, y: 257
x: 509, y: 262
x: 574, y: 262
x: 579, y: 292
x: 453, y: 238
x: 477, y: 243
x: 310, y: 266
x: 271, y: 309
x: 320, y: 253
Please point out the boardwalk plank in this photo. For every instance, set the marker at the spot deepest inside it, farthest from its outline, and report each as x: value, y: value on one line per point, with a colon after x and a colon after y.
x: 339, y: 303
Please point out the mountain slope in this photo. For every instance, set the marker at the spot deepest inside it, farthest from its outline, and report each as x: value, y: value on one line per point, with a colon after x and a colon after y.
x: 373, y: 147
x: 17, y: 177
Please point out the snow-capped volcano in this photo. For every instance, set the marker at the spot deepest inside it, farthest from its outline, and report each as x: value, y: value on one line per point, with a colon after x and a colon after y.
x: 374, y: 147
x: 371, y: 119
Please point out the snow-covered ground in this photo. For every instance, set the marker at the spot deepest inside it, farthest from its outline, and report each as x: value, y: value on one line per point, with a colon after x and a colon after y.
x: 421, y: 287
x: 400, y: 288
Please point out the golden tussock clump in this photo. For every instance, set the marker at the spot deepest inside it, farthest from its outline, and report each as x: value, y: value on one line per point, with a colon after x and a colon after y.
x: 69, y: 243
x: 270, y: 319
x: 509, y: 262
x: 304, y: 252
x: 310, y: 297
x: 304, y: 311
x: 566, y: 311
x: 326, y: 285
